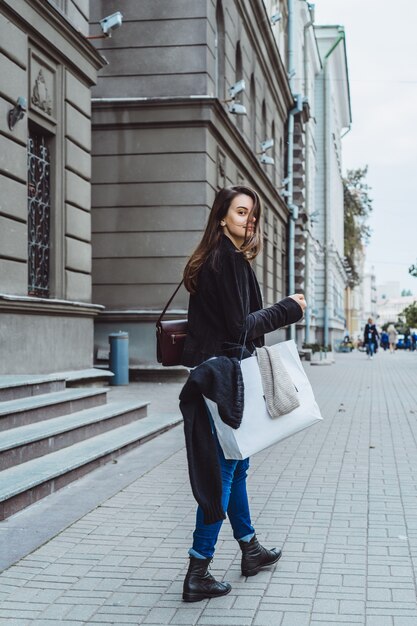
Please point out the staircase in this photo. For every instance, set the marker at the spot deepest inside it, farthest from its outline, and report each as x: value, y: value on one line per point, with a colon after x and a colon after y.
x: 52, y: 433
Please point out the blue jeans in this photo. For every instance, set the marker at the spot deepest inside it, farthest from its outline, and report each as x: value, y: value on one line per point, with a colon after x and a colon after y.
x: 370, y: 348
x: 234, y: 501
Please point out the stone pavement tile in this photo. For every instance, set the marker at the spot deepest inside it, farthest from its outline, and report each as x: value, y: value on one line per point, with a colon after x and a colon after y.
x: 390, y: 610
x: 295, y: 619
x: 122, y: 610
x: 279, y: 590
x: 268, y: 618
x: 82, y: 612
x: 224, y: 620
x: 352, y: 607
x: 56, y: 611
x: 246, y: 602
x: 326, y: 606
x: 349, y: 620
x: 303, y: 591
x: 186, y: 617
x: 106, y: 617
x: 383, y: 594
x: 404, y: 595
x: 47, y: 622
x: 17, y: 613
x: 159, y: 616
x: 14, y: 622
x: 372, y: 620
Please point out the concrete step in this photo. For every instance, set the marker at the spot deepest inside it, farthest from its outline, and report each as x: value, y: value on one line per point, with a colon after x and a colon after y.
x: 22, y: 411
x: 19, y: 445
x: 22, y: 386
x: 92, y: 377
x: 26, y: 483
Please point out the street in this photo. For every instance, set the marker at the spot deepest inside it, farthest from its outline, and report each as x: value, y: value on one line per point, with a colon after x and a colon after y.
x: 338, y: 498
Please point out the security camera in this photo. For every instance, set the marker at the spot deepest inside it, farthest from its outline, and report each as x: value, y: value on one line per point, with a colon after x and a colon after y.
x: 17, y: 112
x: 276, y: 17
x: 237, y: 109
x: 267, y: 144
x: 237, y: 88
x: 267, y: 160
x: 111, y: 22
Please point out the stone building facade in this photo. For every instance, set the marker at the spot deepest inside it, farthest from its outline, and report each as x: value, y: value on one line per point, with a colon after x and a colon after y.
x: 164, y: 141
x: 48, y: 66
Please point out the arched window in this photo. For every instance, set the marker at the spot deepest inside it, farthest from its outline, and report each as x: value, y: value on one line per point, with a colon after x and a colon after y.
x: 253, y: 112
x: 238, y: 77
x: 220, y: 51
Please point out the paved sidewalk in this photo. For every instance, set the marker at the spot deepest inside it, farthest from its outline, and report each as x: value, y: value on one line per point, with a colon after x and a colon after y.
x: 340, y: 498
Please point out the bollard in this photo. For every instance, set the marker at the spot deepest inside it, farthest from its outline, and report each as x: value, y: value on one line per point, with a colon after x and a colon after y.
x: 119, y: 358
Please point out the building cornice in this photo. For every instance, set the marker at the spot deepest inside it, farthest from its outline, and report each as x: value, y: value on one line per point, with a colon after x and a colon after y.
x: 47, y: 306
x: 57, y: 33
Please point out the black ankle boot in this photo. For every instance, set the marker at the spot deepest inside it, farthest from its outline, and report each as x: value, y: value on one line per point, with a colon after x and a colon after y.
x: 255, y: 556
x: 199, y: 584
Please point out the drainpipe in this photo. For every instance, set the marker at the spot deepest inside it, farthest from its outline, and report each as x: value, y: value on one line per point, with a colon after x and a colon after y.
x: 307, y: 314
x: 290, y: 187
x: 327, y: 142
x: 290, y: 201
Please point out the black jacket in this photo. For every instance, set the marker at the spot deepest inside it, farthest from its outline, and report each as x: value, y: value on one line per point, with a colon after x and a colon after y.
x: 370, y: 334
x: 220, y: 380
x: 227, y: 303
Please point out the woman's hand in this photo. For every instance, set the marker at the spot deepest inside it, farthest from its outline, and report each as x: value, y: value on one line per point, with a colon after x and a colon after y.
x: 298, y: 297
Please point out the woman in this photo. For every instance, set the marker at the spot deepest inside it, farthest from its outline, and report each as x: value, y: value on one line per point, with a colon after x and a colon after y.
x: 392, y: 337
x: 370, y: 338
x: 225, y: 311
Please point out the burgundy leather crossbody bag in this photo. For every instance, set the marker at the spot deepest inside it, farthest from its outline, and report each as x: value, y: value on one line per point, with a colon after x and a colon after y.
x: 170, y: 337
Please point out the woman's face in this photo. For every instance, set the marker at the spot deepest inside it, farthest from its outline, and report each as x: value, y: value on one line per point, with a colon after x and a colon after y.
x: 237, y: 219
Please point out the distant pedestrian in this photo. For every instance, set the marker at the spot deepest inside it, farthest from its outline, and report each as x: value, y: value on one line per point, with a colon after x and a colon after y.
x: 384, y: 340
x: 225, y: 314
x: 370, y: 338
x: 392, y: 336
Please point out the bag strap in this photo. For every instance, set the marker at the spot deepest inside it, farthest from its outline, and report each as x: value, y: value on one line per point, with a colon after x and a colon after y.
x: 169, y: 302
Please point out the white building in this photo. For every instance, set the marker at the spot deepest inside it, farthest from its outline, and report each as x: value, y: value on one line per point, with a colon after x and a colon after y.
x: 333, y: 116
x: 390, y: 309
x: 388, y: 290
x: 369, y: 292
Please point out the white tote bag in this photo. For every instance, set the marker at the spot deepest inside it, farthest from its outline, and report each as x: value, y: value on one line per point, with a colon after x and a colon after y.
x: 258, y: 429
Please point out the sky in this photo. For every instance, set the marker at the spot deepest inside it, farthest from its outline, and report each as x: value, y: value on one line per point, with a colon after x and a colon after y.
x: 382, y: 62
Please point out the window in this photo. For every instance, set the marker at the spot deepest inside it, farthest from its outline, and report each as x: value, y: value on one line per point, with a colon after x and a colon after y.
x: 39, y: 213
x: 239, y: 76
x: 253, y: 112
x: 220, y: 51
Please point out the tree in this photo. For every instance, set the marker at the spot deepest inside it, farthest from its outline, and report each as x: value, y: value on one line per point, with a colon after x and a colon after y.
x: 413, y: 269
x: 410, y: 315
x: 357, y: 208
x: 406, y: 292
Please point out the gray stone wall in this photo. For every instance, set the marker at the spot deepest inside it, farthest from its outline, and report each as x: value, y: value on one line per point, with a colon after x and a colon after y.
x: 46, y: 60
x: 161, y: 49
x: 76, y: 11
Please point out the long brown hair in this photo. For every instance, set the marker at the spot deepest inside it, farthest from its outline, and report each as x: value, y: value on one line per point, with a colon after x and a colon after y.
x: 209, y: 244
